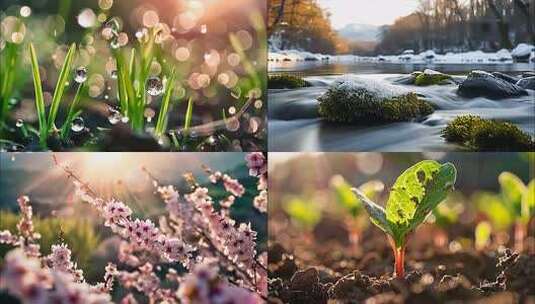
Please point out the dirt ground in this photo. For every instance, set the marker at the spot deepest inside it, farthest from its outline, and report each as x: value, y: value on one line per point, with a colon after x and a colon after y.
x: 323, y: 266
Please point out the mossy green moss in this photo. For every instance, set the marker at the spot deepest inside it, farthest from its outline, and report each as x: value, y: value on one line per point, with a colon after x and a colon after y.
x: 426, y: 79
x: 362, y: 106
x: 481, y: 134
x: 286, y: 82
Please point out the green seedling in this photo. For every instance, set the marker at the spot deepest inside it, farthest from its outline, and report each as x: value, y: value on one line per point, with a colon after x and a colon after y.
x: 520, y: 201
x: 482, y: 233
x: 305, y: 213
x: 495, y: 210
x: 416, y: 192
x: 47, y: 121
x: 353, y: 205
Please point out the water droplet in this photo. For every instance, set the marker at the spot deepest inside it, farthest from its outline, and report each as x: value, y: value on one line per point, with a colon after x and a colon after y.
x: 77, y: 124
x: 232, y: 124
x: 211, y: 140
x: 204, y: 29
x: 114, y: 118
x: 80, y: 75
x: 105, y: 4
x: 19, y: 123
x: 125, y: 119
x: 25, y: 11
x: 87, y: 18
x: 154, y: 86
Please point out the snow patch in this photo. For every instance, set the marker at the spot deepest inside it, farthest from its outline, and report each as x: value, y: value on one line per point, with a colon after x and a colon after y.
x: 379, y: 88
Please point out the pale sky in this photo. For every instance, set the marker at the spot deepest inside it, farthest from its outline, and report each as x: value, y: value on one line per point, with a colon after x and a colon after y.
x: 376, y: 12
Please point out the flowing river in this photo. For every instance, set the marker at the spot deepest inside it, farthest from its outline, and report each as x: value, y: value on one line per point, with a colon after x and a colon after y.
x: 294, y: 123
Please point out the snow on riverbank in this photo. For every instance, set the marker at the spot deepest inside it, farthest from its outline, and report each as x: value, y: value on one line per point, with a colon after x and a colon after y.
x: 521, y: 52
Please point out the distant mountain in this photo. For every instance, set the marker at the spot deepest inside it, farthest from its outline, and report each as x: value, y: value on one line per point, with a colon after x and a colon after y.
x: 360, y: 32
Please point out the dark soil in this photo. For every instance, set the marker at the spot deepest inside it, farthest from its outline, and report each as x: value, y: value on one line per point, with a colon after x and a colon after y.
x: 304, y: 270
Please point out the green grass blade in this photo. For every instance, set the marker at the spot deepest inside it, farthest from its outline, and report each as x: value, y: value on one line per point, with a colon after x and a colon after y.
x: 9, y: 59
x: 39, y: 98
x: 132, y: 65
x: 125, y: 85
x: 162, y: 116
x: 73, y: 112
x: 189, y: 114
x: 60, y: 85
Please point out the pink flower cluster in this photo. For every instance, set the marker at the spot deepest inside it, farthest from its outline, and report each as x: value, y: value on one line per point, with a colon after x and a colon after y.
x: 25, y: 278
x: 193, y: 233
x: 142, y: 233
x: 60, y: 260
x: 204, y: 286
x: 231, y: 185
x: 257, y: 164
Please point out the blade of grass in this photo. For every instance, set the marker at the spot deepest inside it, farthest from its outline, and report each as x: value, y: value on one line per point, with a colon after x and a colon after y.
x: 189, y: 114
x: 9, y: 62
x: 39, y: 98
x: 164, y: 109
x: 127, y: 106
x: 60, y: 86
x: 132, y: 65
x: 73, y: 112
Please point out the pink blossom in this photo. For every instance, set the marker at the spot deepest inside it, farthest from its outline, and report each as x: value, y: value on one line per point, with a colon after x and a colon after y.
x: 261, y: 201
x: 257, y: 163
x: 115, y: 213
x: 233, y: 186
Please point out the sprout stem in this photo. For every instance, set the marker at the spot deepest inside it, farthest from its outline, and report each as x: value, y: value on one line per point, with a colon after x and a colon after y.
x: 520, y: 234
x: 399, y: 258
x: 399, y: 254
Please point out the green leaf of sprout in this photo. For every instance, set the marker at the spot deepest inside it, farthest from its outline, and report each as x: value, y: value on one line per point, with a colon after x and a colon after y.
x: 377, y: 213
x: 493, y: 207
x: 416, y: 192
x: 512, y: 189
x: 305, y: 213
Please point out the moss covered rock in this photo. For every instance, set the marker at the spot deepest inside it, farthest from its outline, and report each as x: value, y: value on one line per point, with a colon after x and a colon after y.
x: 430, y: 77
x: 481, y: 134
x: 351, y: 99
x: 286, y: 82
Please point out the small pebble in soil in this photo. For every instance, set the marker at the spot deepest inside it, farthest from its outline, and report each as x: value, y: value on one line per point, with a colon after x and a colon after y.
x: 154, y: 86
x: 77, y: 124
x: 80, y: 75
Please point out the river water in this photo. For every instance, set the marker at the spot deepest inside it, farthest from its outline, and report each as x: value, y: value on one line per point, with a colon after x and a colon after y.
x: 294, y: 124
